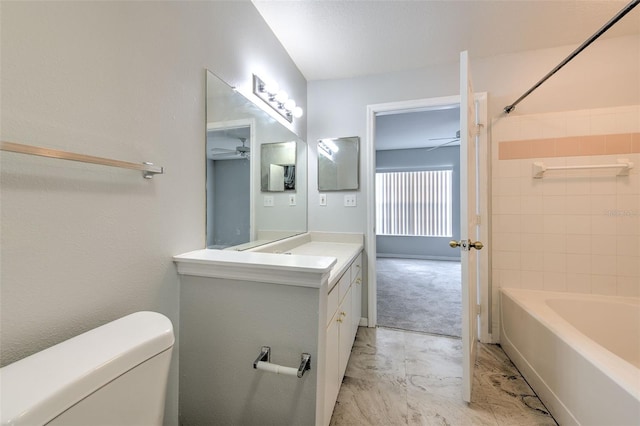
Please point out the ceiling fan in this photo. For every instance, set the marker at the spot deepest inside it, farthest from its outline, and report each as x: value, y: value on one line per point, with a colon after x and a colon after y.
x: 450, y: 140
x: 240, y: 150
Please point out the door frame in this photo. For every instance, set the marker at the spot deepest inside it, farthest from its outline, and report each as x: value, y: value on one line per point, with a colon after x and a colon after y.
x: 369, y: 170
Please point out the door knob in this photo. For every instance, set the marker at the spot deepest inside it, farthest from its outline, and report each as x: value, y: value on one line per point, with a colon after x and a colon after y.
x: 477, y: 245
x: 466, y: 245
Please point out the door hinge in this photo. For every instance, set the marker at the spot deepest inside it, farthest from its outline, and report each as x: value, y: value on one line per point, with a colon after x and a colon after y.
x: 478, y: 219
x: 478, y: 309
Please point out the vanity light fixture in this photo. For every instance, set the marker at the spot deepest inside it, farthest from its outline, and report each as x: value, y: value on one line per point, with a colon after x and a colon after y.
x: 277, y: 99
x: 327, y: 148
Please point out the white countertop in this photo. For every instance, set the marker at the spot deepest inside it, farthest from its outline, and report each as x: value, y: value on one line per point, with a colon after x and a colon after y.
x: 344, y: 253
x: 310, y: 263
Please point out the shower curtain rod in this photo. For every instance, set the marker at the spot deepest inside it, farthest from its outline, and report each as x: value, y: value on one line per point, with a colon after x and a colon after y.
x: 573, y: 54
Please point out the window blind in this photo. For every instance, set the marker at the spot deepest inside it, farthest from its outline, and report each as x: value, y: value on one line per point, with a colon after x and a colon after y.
x: 414, y: 203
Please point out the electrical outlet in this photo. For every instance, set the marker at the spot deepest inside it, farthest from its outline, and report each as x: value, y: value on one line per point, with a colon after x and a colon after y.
x: 350, y: 200
x: 323, y: 199
x: 268, y: 200
x: 292, y: 199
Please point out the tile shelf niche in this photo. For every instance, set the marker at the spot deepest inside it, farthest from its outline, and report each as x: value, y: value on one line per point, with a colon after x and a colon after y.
x: 301, y: 294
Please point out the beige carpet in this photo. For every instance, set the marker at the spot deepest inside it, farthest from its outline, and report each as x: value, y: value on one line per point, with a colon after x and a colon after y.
x: 419, y: 295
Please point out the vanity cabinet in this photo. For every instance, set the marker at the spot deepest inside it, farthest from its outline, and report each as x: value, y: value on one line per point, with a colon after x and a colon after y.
x: 344, y: 304
x: 299, y: 295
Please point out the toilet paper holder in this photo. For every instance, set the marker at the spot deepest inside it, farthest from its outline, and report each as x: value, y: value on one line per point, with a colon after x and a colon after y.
x: 263, y: 362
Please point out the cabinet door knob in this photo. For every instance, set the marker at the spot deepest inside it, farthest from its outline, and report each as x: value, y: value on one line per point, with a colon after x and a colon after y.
x: 359, y: 280
x: 339, y: 319
x: 343, y: 314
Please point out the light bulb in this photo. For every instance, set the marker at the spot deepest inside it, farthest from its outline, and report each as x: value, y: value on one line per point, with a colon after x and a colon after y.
x: 282, y: 97
x: 289, y: 105
x: 297, y: 112
x: 271, y: 87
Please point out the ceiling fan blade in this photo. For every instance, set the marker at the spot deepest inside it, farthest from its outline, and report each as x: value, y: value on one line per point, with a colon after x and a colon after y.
x: 442, y: 144
x: 457, y: 136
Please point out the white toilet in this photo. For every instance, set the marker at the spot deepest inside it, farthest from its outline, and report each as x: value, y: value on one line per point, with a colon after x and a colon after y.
x: 115, y: 374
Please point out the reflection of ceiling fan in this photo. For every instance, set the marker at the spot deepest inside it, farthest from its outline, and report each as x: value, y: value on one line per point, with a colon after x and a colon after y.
x: 242, y: 151
x: 449, y: 140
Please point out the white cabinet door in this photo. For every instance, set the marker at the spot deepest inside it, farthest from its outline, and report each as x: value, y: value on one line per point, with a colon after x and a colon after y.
x: 356, y: 305
x: 333, y: 377
x: 346, y: 340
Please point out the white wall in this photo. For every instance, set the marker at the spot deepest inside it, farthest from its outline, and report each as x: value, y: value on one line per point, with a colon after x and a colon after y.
x: 606, y: 74
x: 84, y: 244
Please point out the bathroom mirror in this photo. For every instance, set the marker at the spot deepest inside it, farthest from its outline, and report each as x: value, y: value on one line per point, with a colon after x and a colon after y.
x: 338, y: 164
x: 238, y: 134
x: 278, y: 166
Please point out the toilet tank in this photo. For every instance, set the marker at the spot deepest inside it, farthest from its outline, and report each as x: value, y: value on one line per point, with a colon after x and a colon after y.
x: 115, y: 374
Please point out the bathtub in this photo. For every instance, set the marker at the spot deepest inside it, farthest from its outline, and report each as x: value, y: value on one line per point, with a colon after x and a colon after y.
x: 579, y: 352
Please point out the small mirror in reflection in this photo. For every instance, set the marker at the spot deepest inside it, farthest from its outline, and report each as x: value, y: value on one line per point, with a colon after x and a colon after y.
x: 278, y: 166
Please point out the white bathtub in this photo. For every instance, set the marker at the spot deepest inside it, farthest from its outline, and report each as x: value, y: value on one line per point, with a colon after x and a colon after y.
x: 579, y: 352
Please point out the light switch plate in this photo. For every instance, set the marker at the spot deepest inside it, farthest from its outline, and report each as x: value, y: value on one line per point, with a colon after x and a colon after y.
x: 268, y: 200
x: 350, y: 200
x: 323, y: 199
x: 292, y: 199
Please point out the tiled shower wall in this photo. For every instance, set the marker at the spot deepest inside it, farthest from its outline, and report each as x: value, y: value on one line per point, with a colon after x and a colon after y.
x: 571, y: 231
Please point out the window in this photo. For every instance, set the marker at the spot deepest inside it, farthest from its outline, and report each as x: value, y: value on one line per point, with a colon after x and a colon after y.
x: 414, y: 203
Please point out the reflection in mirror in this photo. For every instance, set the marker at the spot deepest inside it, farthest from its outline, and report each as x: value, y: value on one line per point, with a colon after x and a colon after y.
x: 278, y: 167
x: 338, y: 164
x: 228, y: 186
x: 238, y: 217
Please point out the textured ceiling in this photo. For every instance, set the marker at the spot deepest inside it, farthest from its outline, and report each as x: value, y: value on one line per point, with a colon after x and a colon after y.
x: 331, y: 39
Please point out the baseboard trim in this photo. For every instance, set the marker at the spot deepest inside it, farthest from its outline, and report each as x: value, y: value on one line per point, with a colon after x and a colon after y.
x: 418, y: 256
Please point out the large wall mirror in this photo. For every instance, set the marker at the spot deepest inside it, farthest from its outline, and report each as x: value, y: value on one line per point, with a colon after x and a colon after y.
x: 239, y: 134
x: 338, y: 164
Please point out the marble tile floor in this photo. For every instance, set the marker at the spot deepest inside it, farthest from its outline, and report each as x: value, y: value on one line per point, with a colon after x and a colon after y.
x: 396, y: 377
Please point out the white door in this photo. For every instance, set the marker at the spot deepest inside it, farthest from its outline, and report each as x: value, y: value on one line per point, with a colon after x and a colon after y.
x: 468, y: 226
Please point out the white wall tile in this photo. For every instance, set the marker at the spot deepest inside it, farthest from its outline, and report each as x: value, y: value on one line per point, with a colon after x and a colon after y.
x: 603, y: 224
x: 604, y: 284
x: 627, y: 121
x: 579, y: 244
x: 603, y: 264
x: 603, y: 123
x: 532, y: 261
x: 555, y: 281
x: 532, y: 280
x: 508, y: 223
x: 578, y: 204
x: 628, y: 225
x: 578, y: 263
x: 628, y: 266
x: 510, y: 278
x: 508, y: 168
x: 627, y: 286
x: 628, y: 246
x: 533, y: 223
x: 579, y: 224
x: 530, y: 186
x: 575, y: 230
x: 531, y: 204
x: 555, y: 262
x: 555, y: 243
x: 604, y: 244
x: 509, y: 204
x: 579, y: 283
x: 555, y: 224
